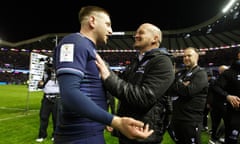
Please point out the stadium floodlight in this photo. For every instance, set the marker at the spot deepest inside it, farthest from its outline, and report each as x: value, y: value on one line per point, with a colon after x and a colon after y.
x: 228, y: 6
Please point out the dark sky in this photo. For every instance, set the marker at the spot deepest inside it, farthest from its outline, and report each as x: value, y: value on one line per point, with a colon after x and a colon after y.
x: 23, y: 19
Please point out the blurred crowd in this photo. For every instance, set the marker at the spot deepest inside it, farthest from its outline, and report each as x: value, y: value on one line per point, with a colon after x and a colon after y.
x: 10, y: 61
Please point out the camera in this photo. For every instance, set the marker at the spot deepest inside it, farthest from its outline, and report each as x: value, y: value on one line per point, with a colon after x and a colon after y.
x: 48, y: 62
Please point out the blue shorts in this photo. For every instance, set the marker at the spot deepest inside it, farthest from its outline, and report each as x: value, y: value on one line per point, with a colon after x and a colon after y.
x: 98, y: 139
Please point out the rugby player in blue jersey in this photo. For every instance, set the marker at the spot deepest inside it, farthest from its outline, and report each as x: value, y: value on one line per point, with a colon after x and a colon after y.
x: 83, y: 113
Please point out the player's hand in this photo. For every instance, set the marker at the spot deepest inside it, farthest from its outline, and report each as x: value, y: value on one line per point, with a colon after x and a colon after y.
x: 131, y: 128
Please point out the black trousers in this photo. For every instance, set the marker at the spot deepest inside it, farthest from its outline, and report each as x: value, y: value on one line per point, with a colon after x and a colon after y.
x: 232, y: 126
x: 205, y: 116
x: 187, y: 132
x: 49, y: 106
x: 217, y: 113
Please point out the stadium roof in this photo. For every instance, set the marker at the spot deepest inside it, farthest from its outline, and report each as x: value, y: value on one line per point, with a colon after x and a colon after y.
x: 207, y: 27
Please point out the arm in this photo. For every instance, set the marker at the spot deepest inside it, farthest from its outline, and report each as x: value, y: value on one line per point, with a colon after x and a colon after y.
x: 74, y: 99
x: 219, y: 88
x: 219, y: 84
x: 197, y: 83
x: 153, y: 85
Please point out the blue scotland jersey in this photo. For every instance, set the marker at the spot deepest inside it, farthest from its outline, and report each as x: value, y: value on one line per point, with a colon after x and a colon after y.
x: 76, y: 55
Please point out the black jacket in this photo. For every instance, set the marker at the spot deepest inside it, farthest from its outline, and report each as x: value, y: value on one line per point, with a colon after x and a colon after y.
x: 141, y: 90
x: 228, y: 82
x: 192, y: 98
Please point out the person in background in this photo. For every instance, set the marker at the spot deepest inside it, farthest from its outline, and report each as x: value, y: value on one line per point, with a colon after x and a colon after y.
x: 49, y: 103
x: 217, y: 110
x: 190, y: 86
x: 228, y: 87
x: 141, y: 88
x: 83, y: 116
x: 206, y: 111
x: 238, y: 54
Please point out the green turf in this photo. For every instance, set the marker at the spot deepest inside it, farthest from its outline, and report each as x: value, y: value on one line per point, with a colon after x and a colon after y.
x: 19, y: 117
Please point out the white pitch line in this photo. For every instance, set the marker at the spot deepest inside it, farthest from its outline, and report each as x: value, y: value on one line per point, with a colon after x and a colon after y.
x: 21, y: 109
x: 8, y: 118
